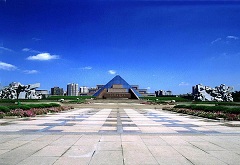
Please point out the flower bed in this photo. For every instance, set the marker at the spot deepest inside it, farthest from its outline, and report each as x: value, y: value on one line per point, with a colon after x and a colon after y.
x: 215, y: 112
x: 32, y: 110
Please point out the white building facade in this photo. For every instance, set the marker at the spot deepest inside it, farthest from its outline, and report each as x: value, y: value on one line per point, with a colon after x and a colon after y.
x: 72, y: 89
x: 84, y: 89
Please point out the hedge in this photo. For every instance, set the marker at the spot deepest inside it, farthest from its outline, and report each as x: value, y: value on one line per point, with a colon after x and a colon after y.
x: 4, y: 109
x: 68, y: 97
x: 217, y: 103
x: 211, y: 108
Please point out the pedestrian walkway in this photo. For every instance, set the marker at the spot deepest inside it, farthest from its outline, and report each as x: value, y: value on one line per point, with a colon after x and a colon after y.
x: 125, y: 136
x: 114, y: 121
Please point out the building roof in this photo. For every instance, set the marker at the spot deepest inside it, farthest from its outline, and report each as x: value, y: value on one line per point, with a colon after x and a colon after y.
x: 120, y: 81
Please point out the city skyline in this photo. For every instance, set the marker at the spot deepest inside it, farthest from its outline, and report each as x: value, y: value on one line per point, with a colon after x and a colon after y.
x: 158, y: 45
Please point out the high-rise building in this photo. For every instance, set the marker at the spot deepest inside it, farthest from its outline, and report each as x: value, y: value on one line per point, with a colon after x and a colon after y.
x: 57, y: 91
x: 72, y: 89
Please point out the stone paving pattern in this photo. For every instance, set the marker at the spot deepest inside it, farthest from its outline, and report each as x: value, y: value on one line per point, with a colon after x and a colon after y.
x: 125, y: 136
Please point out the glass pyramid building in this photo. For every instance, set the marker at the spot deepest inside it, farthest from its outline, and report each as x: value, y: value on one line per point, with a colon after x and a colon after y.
x: 117, y: 88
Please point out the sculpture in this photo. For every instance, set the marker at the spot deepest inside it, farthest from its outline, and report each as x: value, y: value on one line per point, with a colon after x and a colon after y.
x: 19, y: 91
x: 219, y: 93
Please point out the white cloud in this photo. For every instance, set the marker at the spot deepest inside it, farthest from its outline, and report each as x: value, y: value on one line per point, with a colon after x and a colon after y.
x: 30, y: 71
x: 216, y: 40
x: 6, y: 49
x: 26, y: 49
x: 232, y: 37
x: 86, y: 68
x: 112, y: 72
x: 183, y: 84
x: 6, y: 66
x: 148, y: 88
x: 30, y: 50
x: 43, y: 57
x: 225, y: 40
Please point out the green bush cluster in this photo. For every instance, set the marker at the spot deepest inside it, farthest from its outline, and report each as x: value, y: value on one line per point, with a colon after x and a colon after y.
x: 4, y: 109
x: 68, y: 97
x: 161, y: 99
x: 23, y: 107
x: 77, y: 101
x: 211, y: 108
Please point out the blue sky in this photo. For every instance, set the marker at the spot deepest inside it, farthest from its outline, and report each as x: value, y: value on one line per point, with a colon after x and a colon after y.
x: 155, y: 44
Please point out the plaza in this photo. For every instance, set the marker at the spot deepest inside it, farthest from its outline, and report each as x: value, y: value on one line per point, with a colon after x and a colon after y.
x: 117, y: 133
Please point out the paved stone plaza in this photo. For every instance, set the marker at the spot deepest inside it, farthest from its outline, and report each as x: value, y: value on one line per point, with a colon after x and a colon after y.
x: 118, y: 133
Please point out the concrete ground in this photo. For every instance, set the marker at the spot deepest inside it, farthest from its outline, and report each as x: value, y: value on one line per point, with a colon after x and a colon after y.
x: 118, y: 133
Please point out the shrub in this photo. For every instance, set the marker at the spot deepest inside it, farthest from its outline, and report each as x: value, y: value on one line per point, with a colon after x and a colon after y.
x: 180, y: 106
x: 55, y: 105
x: 16, y: 112
x: 33, y: 110
x: 233, y: 110
x: 2, y: 114
x: 24, y: 107
x: 211, y: 116
x: 69, y: 97
x: 28, y: 113
x: 4, y: 109
x: 40, y: 111
x: 212, y: 112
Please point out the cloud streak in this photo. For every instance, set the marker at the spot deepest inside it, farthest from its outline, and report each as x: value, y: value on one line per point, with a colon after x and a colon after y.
x: 225, y: 40
x: 87, y: 68
x: 112, y: 72
x: 6, y: 66
x: 183, y: 84
x: 216, y: 40
x: 43, y: 57
x: 30, y: 71
x: 6, y: 49
x: 30, y: 50
x: 36, y: 39
x: 232, y: 37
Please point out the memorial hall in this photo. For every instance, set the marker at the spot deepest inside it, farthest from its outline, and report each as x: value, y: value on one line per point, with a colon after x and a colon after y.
x: 117, y: 88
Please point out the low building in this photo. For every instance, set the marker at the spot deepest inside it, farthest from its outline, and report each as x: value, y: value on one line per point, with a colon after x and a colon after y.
x: 83, y: 90
x: 91, y: 91
x: 163, y: 93
x: 149, y: 95
x: 99, y: 86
